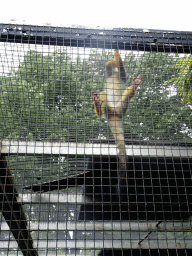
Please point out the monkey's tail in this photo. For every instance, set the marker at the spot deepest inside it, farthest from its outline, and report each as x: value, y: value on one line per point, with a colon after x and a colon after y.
x: 116, y: 125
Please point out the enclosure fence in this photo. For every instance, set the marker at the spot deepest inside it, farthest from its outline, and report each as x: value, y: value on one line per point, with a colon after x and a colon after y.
x: 59, y: 162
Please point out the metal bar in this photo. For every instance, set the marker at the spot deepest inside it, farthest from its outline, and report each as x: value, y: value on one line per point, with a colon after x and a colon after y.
x: 100, y: 244
x: 65, y: 198
x: 121, y: 38
x: 90, y: 149
x: 123, y: 226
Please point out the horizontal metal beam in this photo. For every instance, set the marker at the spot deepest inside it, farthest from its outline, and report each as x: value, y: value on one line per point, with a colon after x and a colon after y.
x: 133, y: 228
x: 92, y: 149
x: 107, y: 244
x: 65, y: 198
x: 123, y: 226
x: 117, y: 38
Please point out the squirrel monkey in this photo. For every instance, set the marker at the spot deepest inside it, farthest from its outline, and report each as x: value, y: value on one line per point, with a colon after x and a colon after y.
x: 113, y: 102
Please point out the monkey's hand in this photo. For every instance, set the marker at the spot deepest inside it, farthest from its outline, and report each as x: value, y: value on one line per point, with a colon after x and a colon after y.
x: 136, y: 81
x: 97, y: 104
x: 131, y: 90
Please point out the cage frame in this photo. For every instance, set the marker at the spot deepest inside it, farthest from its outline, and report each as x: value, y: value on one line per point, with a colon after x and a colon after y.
x: 123, y: 39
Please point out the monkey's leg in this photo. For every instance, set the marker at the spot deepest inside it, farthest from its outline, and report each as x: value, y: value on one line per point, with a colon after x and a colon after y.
x: 99, y: 102
x: 128, y: 93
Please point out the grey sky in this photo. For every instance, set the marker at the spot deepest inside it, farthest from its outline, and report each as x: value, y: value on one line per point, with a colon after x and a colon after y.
x: 164, y: 14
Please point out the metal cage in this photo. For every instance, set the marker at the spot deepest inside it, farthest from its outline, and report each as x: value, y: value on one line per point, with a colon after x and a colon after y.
x: 59, y: 161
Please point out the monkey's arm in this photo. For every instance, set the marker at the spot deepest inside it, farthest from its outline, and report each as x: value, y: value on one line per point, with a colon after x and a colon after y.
x: 131, y: 90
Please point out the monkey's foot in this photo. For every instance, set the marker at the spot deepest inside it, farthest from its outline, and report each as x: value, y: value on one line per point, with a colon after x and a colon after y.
x: 136, y: 81
x: 97, y: 103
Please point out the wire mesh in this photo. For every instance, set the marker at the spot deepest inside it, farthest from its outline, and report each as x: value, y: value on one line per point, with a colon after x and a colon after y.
x: 59, y: 162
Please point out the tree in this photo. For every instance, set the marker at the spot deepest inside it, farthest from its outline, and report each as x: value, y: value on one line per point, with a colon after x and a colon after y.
x: 50, y: 98
x: 183, y: 79
x: 156, y: 112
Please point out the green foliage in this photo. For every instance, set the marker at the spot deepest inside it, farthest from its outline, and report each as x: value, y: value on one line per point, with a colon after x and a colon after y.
x: 46, y: 99
x: 183, y: 79
x: 156, y: 113
x: 50, y: 98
